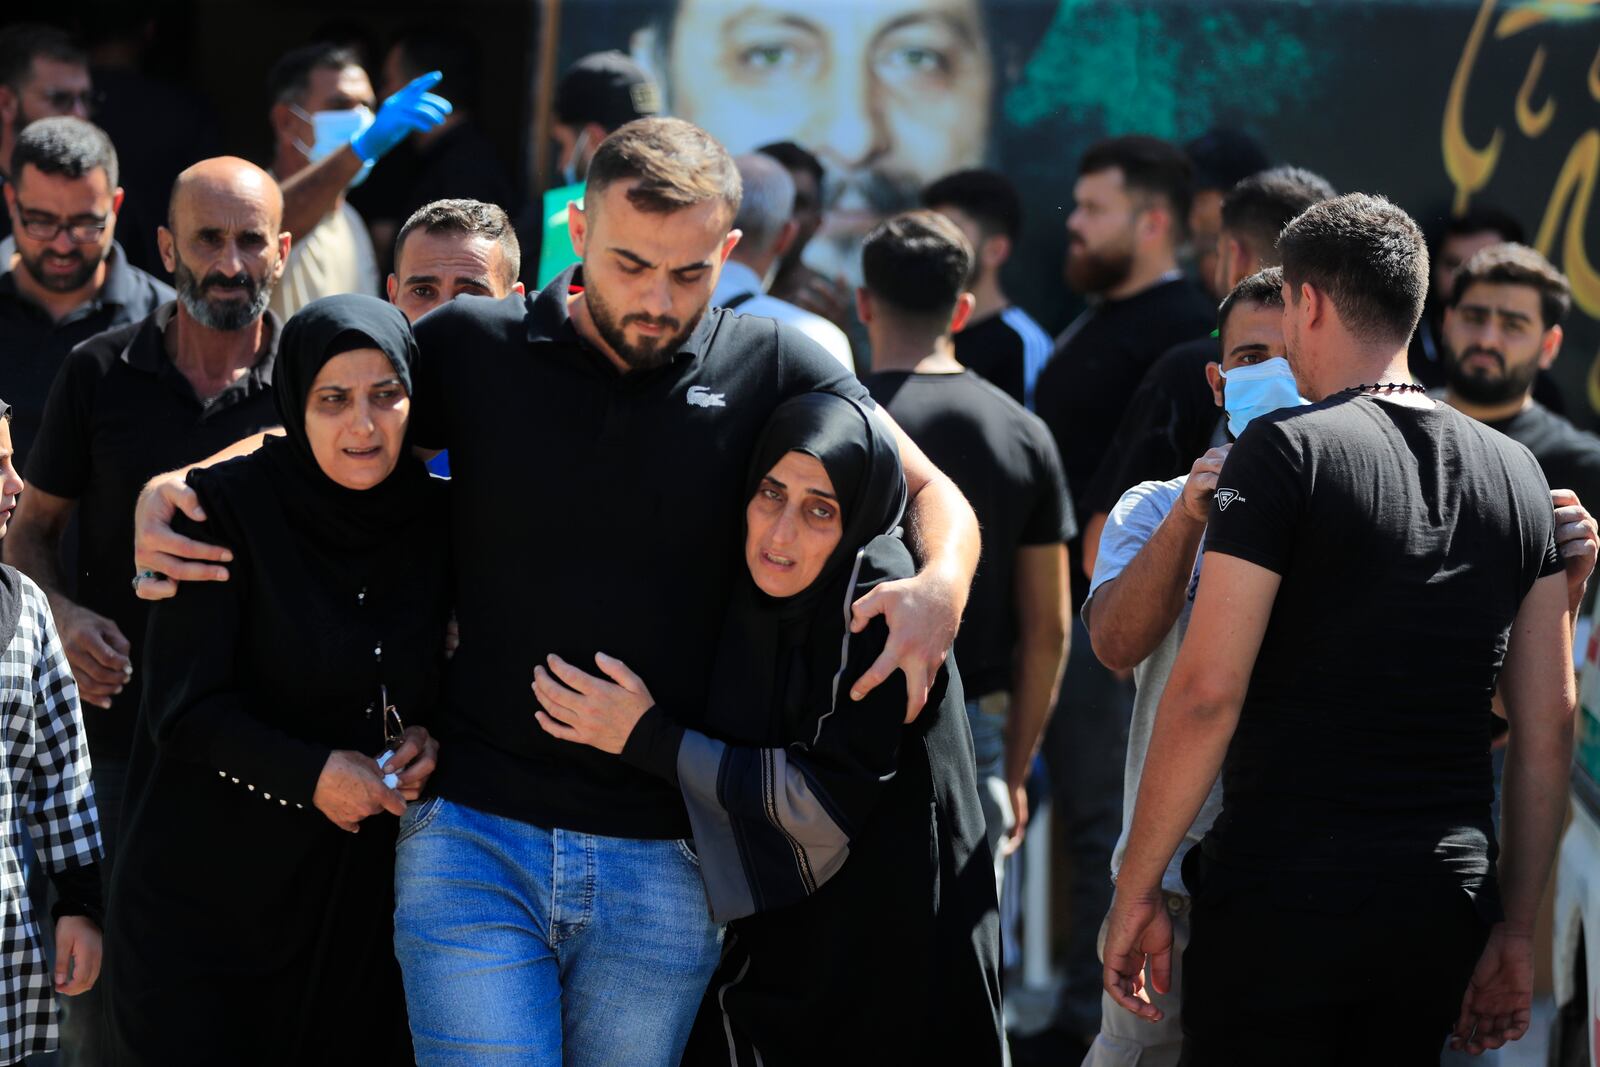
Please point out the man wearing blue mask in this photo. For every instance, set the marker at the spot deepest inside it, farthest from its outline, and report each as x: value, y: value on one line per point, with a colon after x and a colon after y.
x: 596, y: 96
x: 1138, y: 609
x: 1377, y: 565
x: 326, y: 137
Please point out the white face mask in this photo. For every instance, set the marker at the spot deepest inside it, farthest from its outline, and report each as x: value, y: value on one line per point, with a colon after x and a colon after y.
x: 333, y: 130
x: 1258, y: 389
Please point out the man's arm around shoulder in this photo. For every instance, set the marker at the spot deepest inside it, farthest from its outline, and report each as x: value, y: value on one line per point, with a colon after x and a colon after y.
x: 923, y: 612
x: 168, y: 556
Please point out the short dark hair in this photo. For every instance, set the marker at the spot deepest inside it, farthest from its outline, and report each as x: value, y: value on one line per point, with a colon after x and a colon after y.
x: 1150, y: 167
x: 917, y: 262
x: 1258, y: 208
x: 1517, y: 264
x: 794, y: 158
x: 1264, y: 288
x: 676, y: 164
x: 290, y: 77
x: 1483, y: 219
x: 986, y: 195
x: 64, y: 145
x: 471, y: 218
x: 1223, y: 157
x: 607, y: 88
x: 1368, y: 256
x: 453, y: 53
x: 24, y: 42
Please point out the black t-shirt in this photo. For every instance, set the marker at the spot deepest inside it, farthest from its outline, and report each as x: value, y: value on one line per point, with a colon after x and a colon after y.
x: 32, y: 347
x: 1009, y: 349
x: 1168, y: 425
x: 119, y: 414
x: 1406, y: 540
x: 1005, y: 461
x: 1569, y: 457
x: 590, y: 511
x: 1099, y: 362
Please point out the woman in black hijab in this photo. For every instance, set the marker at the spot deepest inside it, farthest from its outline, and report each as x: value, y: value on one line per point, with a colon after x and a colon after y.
x: 845, y: 849
x: 252, y: 906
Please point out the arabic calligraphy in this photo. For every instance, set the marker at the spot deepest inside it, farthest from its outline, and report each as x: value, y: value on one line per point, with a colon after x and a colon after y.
x: 1470, y: 167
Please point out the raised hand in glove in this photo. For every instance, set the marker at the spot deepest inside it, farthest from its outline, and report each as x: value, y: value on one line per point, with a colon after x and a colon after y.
x: 412, y: 110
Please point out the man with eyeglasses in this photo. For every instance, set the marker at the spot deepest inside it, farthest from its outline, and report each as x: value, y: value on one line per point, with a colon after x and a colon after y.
x: 67, y: 279
x: 43, y: 73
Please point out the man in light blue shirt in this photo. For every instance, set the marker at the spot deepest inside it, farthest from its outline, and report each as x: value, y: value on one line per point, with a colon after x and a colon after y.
x: 1137, y: 612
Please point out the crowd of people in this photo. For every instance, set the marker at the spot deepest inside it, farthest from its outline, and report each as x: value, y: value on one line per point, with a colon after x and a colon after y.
x: 631, y: 653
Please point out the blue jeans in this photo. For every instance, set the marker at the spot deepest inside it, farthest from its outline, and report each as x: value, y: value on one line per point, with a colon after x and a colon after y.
x: 521, y: 945
x: 987, y: 718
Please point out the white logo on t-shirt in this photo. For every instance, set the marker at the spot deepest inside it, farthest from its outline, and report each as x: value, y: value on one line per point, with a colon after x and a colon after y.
x: 1226, y: 497
x: 701, y: 397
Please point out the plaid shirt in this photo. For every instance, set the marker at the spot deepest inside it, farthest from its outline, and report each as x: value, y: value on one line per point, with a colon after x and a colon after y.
x: 44, y: 792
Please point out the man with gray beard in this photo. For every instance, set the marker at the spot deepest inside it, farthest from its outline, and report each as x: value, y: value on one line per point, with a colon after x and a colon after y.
x: 191, y: 377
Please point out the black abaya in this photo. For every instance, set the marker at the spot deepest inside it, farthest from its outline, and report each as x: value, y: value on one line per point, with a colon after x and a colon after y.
x: 244, y: 926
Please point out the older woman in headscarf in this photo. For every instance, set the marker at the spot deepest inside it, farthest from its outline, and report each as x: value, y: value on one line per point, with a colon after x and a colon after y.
x: 252, y: 907
x: 845, y: 849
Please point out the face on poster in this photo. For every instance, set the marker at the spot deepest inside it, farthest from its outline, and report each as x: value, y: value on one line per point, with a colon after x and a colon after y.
x: 889, y: 94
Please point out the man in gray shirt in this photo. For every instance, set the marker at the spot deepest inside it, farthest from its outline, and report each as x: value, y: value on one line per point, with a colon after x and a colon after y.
x: 1138, y: 610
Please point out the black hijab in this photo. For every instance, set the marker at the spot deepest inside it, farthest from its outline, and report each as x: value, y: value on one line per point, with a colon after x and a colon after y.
x: 785, y: 646
x: 10, y: 584
x: 348, y: 520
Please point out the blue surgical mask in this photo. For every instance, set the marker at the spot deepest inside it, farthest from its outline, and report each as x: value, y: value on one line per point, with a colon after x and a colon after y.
x: 579, y: 146
x: 333, y: 130
x: 1258, y: 389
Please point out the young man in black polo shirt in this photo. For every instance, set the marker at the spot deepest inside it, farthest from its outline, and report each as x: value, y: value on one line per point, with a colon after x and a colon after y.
x: 548, y: 906
x: 190, y: 378
x: 1355, y: 820
x: 68, y: 279
x: 1000, y: 341
x: 1013, y: 640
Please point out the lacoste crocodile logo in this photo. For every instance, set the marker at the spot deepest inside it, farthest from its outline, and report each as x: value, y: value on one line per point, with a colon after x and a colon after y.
x: 701, y: 397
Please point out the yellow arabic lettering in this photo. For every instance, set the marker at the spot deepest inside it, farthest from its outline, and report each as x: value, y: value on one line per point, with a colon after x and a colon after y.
x: 1532, y: 122
x: 1573, y: 191
x: 1516, y: 20
x: 1469, y: 168
x: 1594, y: 76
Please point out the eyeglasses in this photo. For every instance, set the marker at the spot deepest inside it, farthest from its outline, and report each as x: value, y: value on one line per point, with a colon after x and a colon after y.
x: 394, y: 730
x: 63, y: 101
x: 45, y: 229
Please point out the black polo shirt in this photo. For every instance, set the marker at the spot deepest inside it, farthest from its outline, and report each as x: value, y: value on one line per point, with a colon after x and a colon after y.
x: 591, y: 511
x: 120, y: 413
x: 32, y: 346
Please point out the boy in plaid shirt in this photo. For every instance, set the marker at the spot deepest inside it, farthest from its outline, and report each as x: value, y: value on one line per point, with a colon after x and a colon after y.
x: 45, y: 792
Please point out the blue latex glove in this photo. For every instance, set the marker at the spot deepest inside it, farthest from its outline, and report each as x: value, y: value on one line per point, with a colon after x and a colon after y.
x: 411, y: 110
